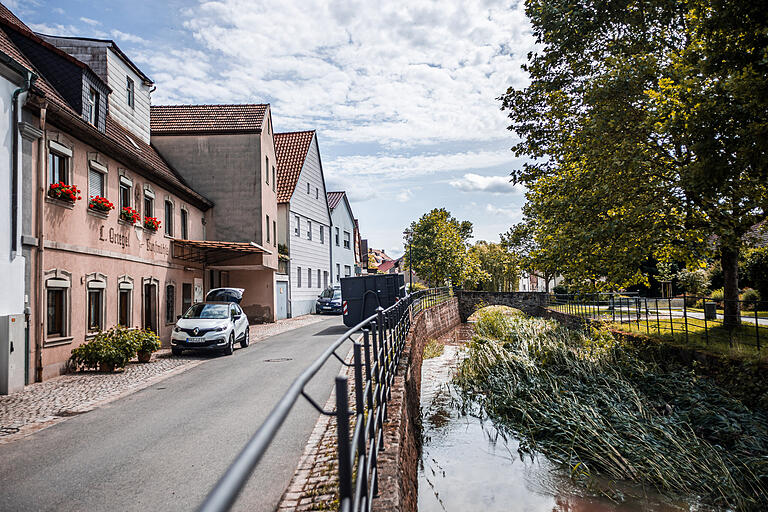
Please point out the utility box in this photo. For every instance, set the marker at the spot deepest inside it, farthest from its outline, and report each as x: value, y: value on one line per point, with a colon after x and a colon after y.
x: 11, y: 353
x: 710, y: 310
x: 363, y: 294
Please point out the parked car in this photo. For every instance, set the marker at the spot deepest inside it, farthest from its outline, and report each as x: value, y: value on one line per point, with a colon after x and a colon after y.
x: 225, y: 295
x: 211, y: 326
x: 329, y: 301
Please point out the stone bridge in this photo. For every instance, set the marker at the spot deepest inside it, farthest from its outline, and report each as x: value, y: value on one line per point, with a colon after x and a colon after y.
x: 530, y: 303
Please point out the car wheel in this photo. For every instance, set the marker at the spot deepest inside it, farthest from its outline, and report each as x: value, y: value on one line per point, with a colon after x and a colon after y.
x: 230, y: 346
x: 247, y: 338
x: 176, y: 351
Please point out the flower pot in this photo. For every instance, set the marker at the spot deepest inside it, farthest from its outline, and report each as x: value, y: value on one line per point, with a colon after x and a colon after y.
x: 144, y: 356
x: 107, y: 367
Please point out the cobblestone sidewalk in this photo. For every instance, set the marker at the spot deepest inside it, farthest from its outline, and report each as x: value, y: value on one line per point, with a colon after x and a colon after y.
x: 46, y: 403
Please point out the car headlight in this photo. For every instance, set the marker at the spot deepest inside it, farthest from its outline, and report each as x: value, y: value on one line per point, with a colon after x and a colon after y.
x: 221, y: 328
x: 177, y: 329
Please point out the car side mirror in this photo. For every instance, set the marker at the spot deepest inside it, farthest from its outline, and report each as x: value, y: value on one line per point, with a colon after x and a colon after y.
x: 236, y: 317
x: 178, y: 317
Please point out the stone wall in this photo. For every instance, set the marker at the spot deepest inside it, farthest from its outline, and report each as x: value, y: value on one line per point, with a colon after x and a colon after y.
x: 530, y: 303
x: 399, y: 462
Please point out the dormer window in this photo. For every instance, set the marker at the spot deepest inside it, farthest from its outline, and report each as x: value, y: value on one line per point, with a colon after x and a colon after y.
x: 92, y: 107
x: 129, y: 92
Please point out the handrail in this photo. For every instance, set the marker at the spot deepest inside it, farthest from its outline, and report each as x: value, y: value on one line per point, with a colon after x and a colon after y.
x: 383, y: 335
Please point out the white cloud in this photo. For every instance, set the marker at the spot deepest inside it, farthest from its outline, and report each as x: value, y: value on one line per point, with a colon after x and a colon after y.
x: 510, y: 212
x: 124, y: 36
x: 399, y: 166
x: 90, y: 21
x: 476, y: 183
x: 404, y: 196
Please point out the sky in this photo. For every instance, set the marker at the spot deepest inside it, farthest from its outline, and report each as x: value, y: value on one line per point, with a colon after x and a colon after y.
x: 403, y: 95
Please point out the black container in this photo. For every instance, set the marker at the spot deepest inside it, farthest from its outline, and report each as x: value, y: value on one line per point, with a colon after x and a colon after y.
x: 363, y: 294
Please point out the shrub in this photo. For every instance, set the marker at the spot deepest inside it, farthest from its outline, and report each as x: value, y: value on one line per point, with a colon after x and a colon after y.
x: 717, y: 295
x: 418, y: 286
x: 751, y: 298
x: 108, y: 349
x: 145, y: 340
x: 560, y: 290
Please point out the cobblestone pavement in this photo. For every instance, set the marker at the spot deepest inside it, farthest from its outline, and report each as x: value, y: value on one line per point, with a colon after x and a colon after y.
x: 43, y: 404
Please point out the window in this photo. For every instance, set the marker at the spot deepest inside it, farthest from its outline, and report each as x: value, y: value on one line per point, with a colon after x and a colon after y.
x: 96, y: 182
x: 325, y: 279
x: 273, y: 178
x: 274, y: 231
x: 129, y: 92
x: 298, y: 277
x: 149, y: 206
x: 297, y: 228
x: 317, y: 193
x: 125, y: 192
x: 184, y: 224
x: 170, y: 303
x: 124, y: 308
x: 56, y: 298
x: 309, y: 278
x: 168, y: 217
x: 318, y: 278
x: 309, y: 230
x: 337, y: 237
x: 92, y: 107
x: 266, y: 170
x: 346, y: 240
x: 338, y: 272
x: 186, y: 297
x: 267, y: 228
x: 347, y: 271
x: 322, y: 235
x: 307, y: 188
x: 94, y: 310
x: 57, y: 168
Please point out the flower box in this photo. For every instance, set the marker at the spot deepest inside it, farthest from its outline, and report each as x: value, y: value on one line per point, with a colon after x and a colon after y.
x: 151, y: 223
x: 100, y: 204
x: 64, y: 192
x: 129, y: 215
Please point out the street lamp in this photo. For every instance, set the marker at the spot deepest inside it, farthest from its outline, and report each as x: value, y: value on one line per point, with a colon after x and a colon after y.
x: 409, y: 236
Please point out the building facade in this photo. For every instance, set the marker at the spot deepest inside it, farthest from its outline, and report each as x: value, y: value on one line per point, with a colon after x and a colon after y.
x: 343, y: 229
x: 304, y: 219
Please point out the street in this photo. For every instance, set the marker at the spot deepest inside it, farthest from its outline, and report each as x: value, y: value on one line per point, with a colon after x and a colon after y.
x: 164, y: 447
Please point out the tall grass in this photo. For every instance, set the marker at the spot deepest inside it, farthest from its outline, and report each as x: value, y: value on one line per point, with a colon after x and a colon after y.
x: 589, y: 402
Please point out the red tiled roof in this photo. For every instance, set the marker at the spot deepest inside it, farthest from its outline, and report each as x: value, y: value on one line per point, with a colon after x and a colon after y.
x: 290, y: 150
x: 334, y: 198
x: 386, y: 265
x: 7, y: 15
x: 180, y: 119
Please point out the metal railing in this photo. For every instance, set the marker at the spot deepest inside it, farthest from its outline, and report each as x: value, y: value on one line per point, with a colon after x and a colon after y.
x: 376, y: 355
x: 687, y: 318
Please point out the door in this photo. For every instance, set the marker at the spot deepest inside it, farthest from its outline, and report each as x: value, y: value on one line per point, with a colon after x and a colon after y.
x: 150, y: 307
x: 282, y: 300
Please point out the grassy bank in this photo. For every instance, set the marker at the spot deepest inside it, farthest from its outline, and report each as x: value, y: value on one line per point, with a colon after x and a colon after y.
x: 591, y: 403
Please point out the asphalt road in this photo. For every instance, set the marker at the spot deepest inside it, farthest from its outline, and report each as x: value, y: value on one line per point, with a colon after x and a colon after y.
x: 164, y: 447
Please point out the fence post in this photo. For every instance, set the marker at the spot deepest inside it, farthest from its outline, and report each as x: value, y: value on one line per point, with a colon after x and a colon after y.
x: 757, y: 326
x: 671, y: 325
x: 685, y: 315
x: 362, y: 452
x: 613, y: 308
x: 342, y: 439
x: 706, y: 327
x: 658, y: 319
x: 368, y: 373
x: 647, y: 327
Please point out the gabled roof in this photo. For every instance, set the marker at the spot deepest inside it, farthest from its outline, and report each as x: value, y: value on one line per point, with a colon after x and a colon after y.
x: 206, y: 119
x: 291, y: 150
x: 334, y: 198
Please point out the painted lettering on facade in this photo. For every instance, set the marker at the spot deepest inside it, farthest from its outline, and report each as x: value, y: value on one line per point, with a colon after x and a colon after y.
x: 156, y: 247
x: 113, y: 237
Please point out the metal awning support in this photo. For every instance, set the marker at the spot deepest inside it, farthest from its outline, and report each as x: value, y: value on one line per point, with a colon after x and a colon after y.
x: 211, y: 252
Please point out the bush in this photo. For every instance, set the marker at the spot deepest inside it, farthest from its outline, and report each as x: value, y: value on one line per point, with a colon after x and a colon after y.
x: 105, y: 351
x: 417, y: 286
x: 560, y: 290
x: 717, y: 295
x: 754, y: 270
x: 146, y: 340
x: 750, y: 299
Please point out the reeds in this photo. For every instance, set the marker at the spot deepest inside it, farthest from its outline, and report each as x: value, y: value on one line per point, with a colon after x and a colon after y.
x: 586, y: 400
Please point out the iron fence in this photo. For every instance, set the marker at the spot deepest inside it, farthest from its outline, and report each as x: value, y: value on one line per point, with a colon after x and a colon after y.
x: 690, y: 319
x: 377, y: 344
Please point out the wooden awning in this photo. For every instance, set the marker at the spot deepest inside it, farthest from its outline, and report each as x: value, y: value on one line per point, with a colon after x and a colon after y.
x: 211, y: 251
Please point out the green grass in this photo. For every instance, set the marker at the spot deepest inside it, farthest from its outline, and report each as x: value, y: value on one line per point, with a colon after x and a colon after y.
x: 433, y: 348
x: 591, y: 402
x: 748, y: 314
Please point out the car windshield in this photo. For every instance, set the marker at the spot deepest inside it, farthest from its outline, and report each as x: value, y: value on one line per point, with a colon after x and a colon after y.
x: 208, y: 311
x: 331, y: 293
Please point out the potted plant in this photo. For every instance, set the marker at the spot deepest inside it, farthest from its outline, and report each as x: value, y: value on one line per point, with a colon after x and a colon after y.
x: 151, y: 223
x: 106, y: 351
x: 146, y: 342
x: 129, y: 215
x: 100, y: 204
x: 64, y: 192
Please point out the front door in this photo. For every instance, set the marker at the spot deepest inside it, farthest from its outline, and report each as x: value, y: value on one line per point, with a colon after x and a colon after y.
x: 150, y: 307
x: 282, y: 300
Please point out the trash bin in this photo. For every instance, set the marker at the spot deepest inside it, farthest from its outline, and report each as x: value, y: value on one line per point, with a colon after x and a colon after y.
x: 710, y: 310
x: 362, y: 295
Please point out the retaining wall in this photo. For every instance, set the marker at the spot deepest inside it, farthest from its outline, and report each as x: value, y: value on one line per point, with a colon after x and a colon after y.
x: 530, y: 303
x: 398, y: 464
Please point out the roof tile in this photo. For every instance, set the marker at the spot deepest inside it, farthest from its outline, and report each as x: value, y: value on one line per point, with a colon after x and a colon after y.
x: 177, y: 119
x: 334, y: 198
x: 291, y: 149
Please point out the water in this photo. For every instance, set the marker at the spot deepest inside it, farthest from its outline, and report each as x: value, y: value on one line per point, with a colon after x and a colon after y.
x: 467, y: 464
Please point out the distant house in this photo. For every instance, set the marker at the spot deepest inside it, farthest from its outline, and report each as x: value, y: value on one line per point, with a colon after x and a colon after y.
x: 343, y: 229
x: 379, y: 256
x: 304, y: 219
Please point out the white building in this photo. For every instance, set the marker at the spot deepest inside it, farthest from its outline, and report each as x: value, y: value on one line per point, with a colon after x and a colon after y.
x: 303, y: 220
x: 342, y: 236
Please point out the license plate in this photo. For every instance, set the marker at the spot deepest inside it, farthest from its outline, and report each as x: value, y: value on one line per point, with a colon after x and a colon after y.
x: 195, y: 340
x: 327, y: 307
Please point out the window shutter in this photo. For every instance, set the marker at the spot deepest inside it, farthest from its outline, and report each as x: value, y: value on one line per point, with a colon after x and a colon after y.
x: 95, y: 183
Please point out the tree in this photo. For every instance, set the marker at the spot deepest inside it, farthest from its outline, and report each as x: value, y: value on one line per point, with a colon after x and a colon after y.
x: 439, y: 248
x: 531, y: 256
x: 497, y: 268
x: 647, y: 126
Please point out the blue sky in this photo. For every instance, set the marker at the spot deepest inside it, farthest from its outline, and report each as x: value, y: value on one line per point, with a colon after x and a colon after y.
x: 402, y: 94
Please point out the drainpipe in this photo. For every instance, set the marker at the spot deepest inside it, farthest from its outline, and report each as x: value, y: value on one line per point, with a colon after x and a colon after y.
x: 38, y: 289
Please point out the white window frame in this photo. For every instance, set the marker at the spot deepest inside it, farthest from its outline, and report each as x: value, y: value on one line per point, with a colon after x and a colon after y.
x: 184, y: 222
x: 309, y: 231
x: 96, y: 282
x: 298, y: 277
x: 309, y: 278
x: 297, y: 228
x: 125, y: 283
x: 169, y: 224
x: 337, y: 237
x: 130, y: 92
x: 93, y: 106
x: 322, y: 235
x: 59, y: 280
x: 338, y: 272
x: 125, y: 182
x: 148, y: 194
x: 97, y: 167
x: 268, y: 239
x: 347, y: 240
x: 65, y: 153
x: 170, y: 284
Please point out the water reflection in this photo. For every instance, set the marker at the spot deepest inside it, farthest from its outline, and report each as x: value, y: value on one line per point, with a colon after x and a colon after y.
x: 468, y: 465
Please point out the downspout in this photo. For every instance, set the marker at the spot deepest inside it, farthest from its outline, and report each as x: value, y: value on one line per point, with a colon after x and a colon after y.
x: 29, y: 79
x: 40, y: 246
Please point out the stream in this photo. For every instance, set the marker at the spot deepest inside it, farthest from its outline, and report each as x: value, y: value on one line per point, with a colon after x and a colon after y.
x: 468, y: 465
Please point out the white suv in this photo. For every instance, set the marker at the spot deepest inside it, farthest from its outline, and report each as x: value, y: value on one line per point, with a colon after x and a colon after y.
x: 211, y: 326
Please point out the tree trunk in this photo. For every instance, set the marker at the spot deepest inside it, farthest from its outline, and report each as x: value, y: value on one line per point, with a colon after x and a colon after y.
x: 729, y: 259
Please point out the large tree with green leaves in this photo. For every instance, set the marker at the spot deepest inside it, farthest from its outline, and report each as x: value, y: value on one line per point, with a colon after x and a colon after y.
x: 646, y: 122
x: 438, y: 245
x: 498, y: 268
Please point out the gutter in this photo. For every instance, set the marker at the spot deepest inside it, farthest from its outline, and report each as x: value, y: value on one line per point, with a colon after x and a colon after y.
x: 38, y: 288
